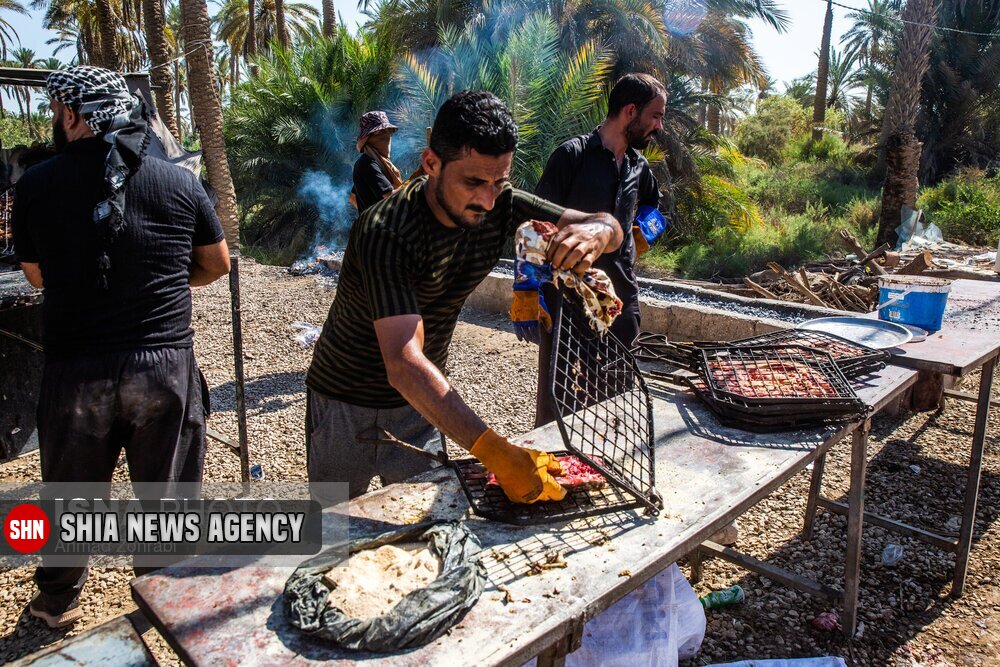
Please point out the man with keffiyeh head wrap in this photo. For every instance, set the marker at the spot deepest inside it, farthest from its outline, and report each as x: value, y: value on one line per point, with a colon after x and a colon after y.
x: 116, y: 238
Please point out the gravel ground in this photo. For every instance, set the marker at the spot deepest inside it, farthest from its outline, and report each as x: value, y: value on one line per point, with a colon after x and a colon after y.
x: 908, y: 619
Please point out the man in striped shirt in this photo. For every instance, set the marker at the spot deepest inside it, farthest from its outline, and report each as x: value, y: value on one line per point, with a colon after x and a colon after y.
x: 410, y: 263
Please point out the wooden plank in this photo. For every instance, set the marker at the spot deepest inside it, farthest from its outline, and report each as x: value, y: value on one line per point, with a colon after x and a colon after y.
x: 939, y: 541
x: 706, y: 474
x: 113, y: 643
x: 778, y: 574
x: 968, y: 397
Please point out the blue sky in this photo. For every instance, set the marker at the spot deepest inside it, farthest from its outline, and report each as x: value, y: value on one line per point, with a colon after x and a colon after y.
x: 786, y: 56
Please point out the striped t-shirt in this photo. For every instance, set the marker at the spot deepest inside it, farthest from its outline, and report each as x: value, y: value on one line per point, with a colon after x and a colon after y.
x: 401, y: 261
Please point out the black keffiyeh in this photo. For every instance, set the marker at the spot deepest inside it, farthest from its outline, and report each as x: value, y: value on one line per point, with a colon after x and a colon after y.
x: 103, y: 99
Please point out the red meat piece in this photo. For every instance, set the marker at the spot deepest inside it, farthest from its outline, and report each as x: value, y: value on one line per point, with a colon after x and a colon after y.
x: 577, y: 474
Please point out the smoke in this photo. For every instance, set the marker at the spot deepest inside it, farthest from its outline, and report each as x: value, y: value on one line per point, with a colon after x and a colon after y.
x: 330, y: 199
x: 684, y: 17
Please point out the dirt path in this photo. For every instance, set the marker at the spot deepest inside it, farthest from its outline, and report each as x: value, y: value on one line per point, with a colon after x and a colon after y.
x: 907, y: 618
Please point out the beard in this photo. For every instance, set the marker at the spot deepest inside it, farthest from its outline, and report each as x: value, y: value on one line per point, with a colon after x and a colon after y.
x: 453, y: 215
x: 59, y: 137
x: 635, y: 136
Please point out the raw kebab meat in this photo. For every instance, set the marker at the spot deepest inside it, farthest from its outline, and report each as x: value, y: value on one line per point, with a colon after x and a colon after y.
x: 772, y: 379
x: 601, y: 304
x: 576, y: 475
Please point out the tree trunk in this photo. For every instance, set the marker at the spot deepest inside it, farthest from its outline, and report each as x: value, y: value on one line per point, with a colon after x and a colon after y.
x: 279, y: 21
x: 822, y: 75
x: 329, y: 18
x: 714, y: 119
x: 899, y: 138
x: 703, y: 108
x: 159, y: 58
x: 109, y: 45
x: 177, y: 101
x: 251, y: 45
x: 207, y: 113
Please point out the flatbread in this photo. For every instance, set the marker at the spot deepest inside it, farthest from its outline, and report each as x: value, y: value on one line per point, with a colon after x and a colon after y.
x: 370, y: 583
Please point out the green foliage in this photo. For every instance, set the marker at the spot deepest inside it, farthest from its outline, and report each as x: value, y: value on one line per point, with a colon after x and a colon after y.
x: 793, y: 188
x: 727, y: 253
x: 767, y: 133
x: 293, y: 126
x: 553, y: 93
x: 14, y: 131
x: 966, y: 207
x: 828, y: 149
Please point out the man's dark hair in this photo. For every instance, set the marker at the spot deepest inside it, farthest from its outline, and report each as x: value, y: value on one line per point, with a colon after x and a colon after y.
x: 473, y: 120
x: 637, y: 89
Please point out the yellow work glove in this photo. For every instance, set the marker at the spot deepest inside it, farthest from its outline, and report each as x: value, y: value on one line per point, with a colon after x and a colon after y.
x: 525, y: 475
x: 641, y: 244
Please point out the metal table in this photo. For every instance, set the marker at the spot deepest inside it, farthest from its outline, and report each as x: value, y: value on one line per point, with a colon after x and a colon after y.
x: 706, y: 473
x: 955, y: 352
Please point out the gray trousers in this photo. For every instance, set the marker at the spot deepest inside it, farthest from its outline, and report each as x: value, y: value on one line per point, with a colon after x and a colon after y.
x: 333, y: 453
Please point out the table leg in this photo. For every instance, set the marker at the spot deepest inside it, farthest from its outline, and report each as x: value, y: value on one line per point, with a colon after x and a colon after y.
x: 815, y: 486
x: 696, y: 561
x: 972, y: 484
x: 855, y: 526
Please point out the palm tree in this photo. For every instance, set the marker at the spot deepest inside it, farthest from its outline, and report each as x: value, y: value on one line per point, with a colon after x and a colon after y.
x: 25, y: 58
x: 8, y: 35
x: 802, y: 89
x: 207, y: 112
x: 529, y: 71
x: 822, y: 74
x: 900, y: 142
x: 869, y: 31
x: 232, y: 24
x: 279, y: 23
x: 960, y: 101
x: 841, y: 78
x: 109, y: 35
x: 173, y: 32
x: 159, y: 57
x: 299, y: 116
x: 329, y: 18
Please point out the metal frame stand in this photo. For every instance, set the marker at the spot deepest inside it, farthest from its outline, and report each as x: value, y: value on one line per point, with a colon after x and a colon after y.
x: 241, y: 402
x: 961, y: 546
x: 855, y: 509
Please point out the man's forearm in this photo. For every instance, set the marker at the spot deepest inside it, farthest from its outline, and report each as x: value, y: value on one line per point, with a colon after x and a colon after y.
x: 427, y: 389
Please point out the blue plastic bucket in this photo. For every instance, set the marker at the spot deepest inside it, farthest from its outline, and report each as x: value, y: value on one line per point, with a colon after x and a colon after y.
x: 921, y: 300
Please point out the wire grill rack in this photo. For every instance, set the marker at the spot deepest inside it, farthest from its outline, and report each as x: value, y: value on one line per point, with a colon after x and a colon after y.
x: 488, y: 500
x: 603, y: 408
x: 853, y: 359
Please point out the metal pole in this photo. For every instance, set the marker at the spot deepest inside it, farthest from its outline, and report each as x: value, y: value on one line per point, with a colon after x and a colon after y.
x: 241, y: 403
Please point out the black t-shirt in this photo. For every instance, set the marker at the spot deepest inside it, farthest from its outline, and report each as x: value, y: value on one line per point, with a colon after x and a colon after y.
x: 582, y: 174
x: 401, y: 261
x: 148, y: 300
x: 370, y: 184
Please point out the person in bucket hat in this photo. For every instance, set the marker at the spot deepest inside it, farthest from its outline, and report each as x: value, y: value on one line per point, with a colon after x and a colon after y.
x: 375, y: 176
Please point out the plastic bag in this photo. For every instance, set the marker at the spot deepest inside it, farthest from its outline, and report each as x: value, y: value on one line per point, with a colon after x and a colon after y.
x: 658, y: 624
x: 307, y: 333
x: 418, y: 619
x: 912, y: 232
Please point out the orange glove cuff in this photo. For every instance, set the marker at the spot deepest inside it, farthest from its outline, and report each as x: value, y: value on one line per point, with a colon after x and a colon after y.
x: 641, y: 244
x: 524, y: 306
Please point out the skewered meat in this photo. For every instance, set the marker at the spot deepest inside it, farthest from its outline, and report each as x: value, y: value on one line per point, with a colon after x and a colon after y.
x: 771, y: 379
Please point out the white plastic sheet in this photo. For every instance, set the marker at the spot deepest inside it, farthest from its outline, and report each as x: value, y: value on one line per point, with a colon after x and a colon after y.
x: 657, y: 624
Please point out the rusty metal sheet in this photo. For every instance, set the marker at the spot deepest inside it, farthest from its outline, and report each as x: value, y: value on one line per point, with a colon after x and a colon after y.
x: 113, y: 643
x: 706, y: 473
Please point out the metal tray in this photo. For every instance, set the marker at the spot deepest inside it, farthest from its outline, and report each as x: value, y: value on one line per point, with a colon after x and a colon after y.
x: 876, y: 334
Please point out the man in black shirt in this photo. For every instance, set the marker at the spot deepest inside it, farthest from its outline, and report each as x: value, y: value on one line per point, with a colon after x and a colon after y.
x: 604, y: 171
x: 375, y: 176
x: 116, y: 239
x: 411, y: 262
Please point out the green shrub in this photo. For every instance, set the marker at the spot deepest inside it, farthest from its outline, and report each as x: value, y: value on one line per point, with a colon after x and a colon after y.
x: 861, y: 217
x: 766, y: 134
x: 794, y: 187
x: 829, y: 148
x: 13, y: 131
x: 966, y: 207
x: 727, y: 253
